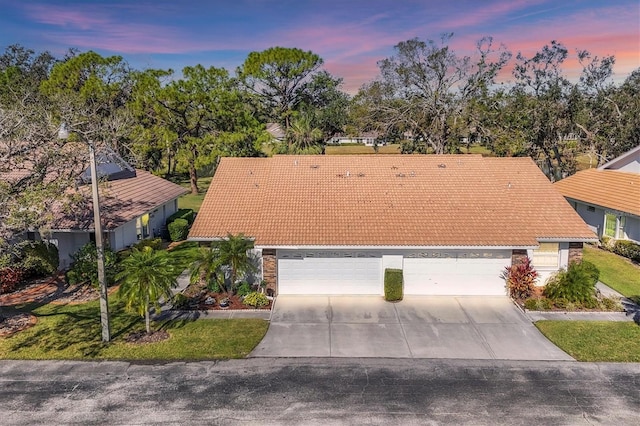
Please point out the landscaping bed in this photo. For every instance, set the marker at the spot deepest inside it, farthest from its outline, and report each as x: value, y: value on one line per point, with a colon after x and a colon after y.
x: 538, y: 302
x: 199, y: 298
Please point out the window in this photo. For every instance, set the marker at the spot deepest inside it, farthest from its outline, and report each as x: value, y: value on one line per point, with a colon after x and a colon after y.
x: 546, y: 256
x: 614, y: 225
x: 142, y: 226
x: 610, y: 225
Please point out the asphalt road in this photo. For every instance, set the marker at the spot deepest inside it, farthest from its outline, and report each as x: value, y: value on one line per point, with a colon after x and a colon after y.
x: 320, y: 392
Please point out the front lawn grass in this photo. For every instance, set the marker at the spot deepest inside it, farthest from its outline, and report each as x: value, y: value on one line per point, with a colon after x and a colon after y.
x: 590, y: 341
x: 615, y: 271
x: 73, y: 332
x: 191, y: 201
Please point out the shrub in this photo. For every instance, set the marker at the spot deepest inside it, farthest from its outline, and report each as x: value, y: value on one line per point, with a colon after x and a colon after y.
x: 10, y: 277
x: 610, y: 304
x: 255, y: 299
x: 520, y: 279
x: 538, y: 304
x: 627, y: 249
x: 38, y: 258
x: 243, y: 289
x: 393, y: 285
x: 84, y: 267
x: 186, y: 214
x: 178, y: 230
x: 576, y: 284
x: 155, y: 244
x: 179, y: 301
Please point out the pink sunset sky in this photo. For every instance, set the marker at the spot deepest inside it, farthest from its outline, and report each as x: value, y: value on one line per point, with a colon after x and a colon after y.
x: 351, y: 36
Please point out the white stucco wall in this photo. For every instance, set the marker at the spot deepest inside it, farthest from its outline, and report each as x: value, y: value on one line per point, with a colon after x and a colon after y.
x: 594, y: 219
x: 632, y: 228
x: 68, y: 243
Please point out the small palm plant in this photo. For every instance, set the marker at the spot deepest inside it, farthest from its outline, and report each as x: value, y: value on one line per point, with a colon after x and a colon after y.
x: 147, y: 276
x: 233, y: 252
x: 206, y: 267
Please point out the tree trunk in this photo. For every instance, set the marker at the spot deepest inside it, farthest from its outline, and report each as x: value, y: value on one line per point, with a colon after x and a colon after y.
x: 193, y: 178
x: 147, y: 318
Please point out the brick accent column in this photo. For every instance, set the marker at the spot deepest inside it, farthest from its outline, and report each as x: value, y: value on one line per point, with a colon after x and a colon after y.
x: 575, y: 252
x: 518, y: 256
x: 270, y: 270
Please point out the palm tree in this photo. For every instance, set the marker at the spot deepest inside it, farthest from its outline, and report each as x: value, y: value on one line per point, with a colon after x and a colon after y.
x: 147, y: 276
x: 303, y: 137
x: 232, y: 252
x: 206, y: 266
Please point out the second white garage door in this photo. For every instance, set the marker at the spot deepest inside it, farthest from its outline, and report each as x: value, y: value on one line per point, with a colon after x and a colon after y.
x: 465, y: 273
x: 329, y: 273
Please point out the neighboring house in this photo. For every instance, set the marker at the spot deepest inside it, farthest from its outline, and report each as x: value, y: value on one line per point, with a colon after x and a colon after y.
x: 367, y: 139
x: 276, y: 132
x: 608, y: 198
x: 134, y: 205
x: 332, y: 224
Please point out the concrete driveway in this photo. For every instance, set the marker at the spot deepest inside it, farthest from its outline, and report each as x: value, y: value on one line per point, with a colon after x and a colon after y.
x: 466, y: 327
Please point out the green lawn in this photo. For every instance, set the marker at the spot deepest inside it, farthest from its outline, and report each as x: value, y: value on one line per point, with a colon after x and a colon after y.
x: 360, y: 149
x: 615, y: 271
x: 190, y: 201
x: 590, y: 341
x: 73, y: 332
x: 477, y: 149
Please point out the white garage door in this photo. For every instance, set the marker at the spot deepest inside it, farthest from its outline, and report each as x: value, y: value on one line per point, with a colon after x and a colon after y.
x: 456, y: 273
x: 335, y: 272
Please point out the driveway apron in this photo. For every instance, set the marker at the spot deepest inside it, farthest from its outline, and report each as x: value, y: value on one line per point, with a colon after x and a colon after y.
x: 467, y: 327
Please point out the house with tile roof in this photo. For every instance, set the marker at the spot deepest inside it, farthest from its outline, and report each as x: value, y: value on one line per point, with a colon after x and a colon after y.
x: 333, y: 224
x: 608, y: 198
x: 134, y: 205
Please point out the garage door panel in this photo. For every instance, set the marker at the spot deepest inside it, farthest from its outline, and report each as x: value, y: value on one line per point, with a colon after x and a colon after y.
x: 455, y: 276
x: 324, y: 275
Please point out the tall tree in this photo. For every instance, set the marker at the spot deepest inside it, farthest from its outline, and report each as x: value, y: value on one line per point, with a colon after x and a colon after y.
x: 542, y: 96
x: 278, y: 76
x: 147, y: 276
x: 430, y: 85
x: 196, y: 118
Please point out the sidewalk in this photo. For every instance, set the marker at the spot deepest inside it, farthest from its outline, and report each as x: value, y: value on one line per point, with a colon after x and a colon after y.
x: 632, y: 311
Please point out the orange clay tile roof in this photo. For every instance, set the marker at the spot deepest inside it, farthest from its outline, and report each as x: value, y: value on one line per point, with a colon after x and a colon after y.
x: 121, y: 201
x: 605, y: 188
x: 386, y: 200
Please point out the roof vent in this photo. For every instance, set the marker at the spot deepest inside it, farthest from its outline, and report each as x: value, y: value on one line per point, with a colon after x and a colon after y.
x: 314, y: 166
x: 347, y: 174
x: 399, y: 174
x: 442, y: 166
x: 295, y: 162
x: 394, y: 167
x: 412, y: 173
x: 360, y: 174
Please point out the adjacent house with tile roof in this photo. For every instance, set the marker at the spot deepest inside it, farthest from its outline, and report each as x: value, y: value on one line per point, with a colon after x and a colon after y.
x: 608, y: 198
x: 333, y: 224
x: 134, y: 205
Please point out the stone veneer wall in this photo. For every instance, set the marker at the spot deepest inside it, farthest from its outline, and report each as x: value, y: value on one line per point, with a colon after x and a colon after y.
x: 518, y: 257
x: 270, y: 270
x: 575, y: 252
